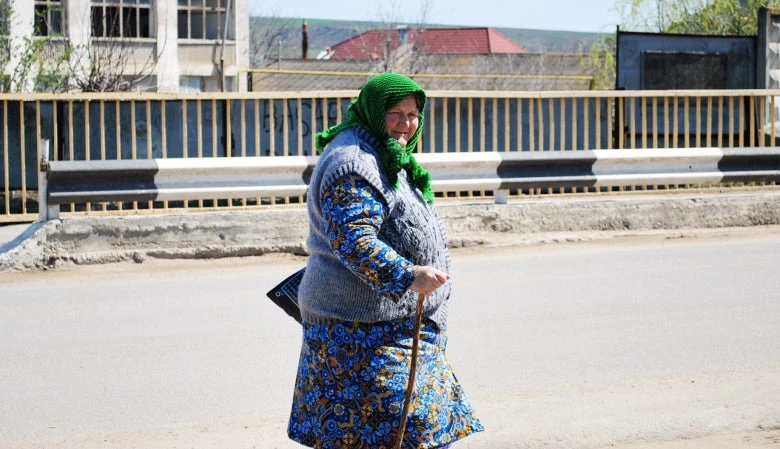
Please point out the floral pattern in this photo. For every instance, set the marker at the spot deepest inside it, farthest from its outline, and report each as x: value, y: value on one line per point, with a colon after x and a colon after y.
x: 353, y: 213
x: 352, y: 376
x: 351, y: 382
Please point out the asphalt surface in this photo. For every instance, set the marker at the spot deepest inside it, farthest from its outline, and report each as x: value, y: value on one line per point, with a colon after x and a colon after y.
x: 652, y: 342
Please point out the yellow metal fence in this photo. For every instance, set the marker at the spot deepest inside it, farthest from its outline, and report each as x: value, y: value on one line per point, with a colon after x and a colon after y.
x: 272, y: 124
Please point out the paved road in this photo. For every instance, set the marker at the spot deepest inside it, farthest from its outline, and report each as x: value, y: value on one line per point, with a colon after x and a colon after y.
x: 570, y: 346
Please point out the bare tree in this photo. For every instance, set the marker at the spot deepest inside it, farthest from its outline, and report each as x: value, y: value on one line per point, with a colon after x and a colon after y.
x: 116, y: 57
x: 399, y: 45
x: 268, y: 34
x: 48, y: 61
x: 112, y: 65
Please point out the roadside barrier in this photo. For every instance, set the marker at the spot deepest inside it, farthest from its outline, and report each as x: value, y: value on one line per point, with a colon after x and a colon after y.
x: 130, y: 126
x: 504, y: 171
x: 64, y: 182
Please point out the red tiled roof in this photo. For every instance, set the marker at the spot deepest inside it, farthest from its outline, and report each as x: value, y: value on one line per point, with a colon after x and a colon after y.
x: 376, y: 44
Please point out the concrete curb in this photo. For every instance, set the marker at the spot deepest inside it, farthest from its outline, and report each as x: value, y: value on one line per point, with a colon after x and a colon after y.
x: 98, y: 240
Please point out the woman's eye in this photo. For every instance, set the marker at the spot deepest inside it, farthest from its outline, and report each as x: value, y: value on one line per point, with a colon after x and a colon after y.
x: 401, y: 116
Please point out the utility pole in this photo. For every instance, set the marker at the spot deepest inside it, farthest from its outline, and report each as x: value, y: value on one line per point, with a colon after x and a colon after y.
x: 305, y: 40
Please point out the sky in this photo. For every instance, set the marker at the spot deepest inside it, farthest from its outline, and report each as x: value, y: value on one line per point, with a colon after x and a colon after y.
x: 564, y: 15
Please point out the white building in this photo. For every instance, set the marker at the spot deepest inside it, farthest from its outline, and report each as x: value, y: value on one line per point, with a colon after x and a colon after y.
x: 163, y: 45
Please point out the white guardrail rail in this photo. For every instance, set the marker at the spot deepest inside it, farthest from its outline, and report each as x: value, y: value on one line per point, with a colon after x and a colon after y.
x: 63, y: 182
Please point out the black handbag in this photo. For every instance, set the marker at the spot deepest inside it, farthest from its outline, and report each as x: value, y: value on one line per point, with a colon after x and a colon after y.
x: 285, y: 295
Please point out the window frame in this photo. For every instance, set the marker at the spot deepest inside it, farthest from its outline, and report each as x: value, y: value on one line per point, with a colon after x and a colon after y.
x: 44, y: 21
x: 211, y: 15
x: 130, y: 19
x: 5, y: 19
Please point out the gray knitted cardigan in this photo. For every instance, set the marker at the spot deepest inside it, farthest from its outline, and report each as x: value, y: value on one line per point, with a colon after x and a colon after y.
x: 329, y: 291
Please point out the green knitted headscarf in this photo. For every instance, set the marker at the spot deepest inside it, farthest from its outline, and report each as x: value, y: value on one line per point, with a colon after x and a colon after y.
x: 368, y: 110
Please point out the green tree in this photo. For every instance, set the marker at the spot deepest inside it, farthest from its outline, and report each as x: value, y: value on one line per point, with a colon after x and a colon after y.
x: 601, y: 63
x: 49, y: 62
x: 721, y: 17
x: 706, y: 17
x: 39, y: 61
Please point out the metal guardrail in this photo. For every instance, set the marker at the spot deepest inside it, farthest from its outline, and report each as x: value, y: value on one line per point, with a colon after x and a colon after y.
x: 111, y: 126
x: 228, y: 178
x: 177, y: 179
x: 600, y: 168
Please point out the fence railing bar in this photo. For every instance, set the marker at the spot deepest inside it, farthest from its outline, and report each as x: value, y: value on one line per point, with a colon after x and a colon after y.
x: 494, y: 122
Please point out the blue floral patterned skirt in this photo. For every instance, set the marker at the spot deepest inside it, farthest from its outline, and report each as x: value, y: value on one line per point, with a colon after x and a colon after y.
x: 351, y: 382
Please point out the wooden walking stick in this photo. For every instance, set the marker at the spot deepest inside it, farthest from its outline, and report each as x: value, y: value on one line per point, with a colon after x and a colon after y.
x: 412, y: 371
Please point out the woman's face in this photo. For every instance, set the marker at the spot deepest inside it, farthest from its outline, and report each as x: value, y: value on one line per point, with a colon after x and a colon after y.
x: 403, y: 119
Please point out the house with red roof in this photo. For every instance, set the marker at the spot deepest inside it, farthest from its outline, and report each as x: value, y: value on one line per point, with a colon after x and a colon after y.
x: 380, y: 44
x: 442, y: 58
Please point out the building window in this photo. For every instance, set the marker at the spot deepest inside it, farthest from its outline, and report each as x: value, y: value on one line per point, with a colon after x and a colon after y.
x: 48, y: 17
x: 200, y: 83
x: 191, y: 84
x: 203, y: 19
x: 5, y: 11
x: 138, y: 83
x: 121, y: 18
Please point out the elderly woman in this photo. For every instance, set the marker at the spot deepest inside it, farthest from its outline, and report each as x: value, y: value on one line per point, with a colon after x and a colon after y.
x: 375, y: 244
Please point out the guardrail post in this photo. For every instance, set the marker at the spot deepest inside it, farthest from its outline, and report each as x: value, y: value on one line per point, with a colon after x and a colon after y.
x: 45, y: 211
x: 501, y: 196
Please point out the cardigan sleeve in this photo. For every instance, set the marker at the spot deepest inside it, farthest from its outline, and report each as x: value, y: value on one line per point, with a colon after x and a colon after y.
x: 353, y: 213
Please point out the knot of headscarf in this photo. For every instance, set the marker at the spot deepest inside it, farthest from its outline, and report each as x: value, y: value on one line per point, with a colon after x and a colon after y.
x: 369, y: 109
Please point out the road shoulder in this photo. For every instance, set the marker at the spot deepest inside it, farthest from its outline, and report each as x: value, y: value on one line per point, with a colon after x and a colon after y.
x: 760, y: 439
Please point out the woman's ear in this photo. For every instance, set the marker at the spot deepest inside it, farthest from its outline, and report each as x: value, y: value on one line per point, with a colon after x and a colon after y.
x: 420, y: 101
